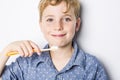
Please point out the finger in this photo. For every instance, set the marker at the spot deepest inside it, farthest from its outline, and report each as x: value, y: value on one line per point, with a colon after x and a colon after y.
x: 36, y: 47
x: 20, y: 50
x: 29, y: 47
x: 25, y: 50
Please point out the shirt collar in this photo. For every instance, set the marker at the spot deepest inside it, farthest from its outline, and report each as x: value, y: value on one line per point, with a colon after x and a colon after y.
x: 44, y: 57
x: 76, y: 59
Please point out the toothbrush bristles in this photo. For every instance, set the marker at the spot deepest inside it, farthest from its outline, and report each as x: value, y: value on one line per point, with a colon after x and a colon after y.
x: 53, y: 48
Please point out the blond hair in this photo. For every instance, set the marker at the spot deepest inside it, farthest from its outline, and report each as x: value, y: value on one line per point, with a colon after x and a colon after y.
x: 69, y: 4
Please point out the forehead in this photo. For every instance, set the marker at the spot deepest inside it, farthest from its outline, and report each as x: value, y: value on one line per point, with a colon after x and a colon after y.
x: 58, y: 9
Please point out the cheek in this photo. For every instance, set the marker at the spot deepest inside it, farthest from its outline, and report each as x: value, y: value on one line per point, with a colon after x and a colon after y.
x: 73, y: 28
x: 71, y: 31
x: 44, y: 30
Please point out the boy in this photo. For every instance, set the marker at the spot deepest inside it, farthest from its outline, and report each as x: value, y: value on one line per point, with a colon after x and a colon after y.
x: 59, y: 22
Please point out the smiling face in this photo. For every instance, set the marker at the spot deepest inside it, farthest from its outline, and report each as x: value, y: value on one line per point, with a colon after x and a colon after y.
x: 57, y: 26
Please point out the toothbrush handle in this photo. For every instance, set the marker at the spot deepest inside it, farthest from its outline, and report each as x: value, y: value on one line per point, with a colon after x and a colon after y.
x: 15, y: 52
x: 12, y: 53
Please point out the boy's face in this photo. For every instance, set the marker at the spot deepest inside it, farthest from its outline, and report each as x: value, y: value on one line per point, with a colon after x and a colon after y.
x: 58, y: 27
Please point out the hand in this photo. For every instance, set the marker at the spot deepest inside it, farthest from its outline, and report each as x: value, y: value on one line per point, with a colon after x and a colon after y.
x: 24, y: 47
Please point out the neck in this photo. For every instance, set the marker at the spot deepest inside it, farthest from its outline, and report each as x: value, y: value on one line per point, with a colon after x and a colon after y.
x: 62, y: 56
x: 62, y: 52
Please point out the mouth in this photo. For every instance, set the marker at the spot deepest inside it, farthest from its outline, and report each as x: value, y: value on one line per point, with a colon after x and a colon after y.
x: 58, y: 35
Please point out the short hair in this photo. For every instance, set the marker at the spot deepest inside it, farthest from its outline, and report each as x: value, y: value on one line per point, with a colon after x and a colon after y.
x: 69, y: 4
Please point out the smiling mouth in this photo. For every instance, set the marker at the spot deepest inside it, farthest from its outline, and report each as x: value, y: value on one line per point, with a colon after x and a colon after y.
x: 58, y: 35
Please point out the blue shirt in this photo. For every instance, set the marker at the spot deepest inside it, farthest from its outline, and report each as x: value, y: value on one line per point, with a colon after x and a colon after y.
x: 82, y: 66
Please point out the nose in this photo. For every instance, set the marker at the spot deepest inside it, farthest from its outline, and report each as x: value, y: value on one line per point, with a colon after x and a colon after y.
x: 58, y: 26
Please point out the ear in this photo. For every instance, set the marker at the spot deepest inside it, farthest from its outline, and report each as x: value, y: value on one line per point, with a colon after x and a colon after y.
x: 78, y: 22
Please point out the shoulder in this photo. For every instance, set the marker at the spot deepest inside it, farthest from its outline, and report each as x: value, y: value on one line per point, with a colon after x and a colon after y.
x: 89, y: 61
x: 93, y: 66
x: 85, y: 59
x: 92, y: 61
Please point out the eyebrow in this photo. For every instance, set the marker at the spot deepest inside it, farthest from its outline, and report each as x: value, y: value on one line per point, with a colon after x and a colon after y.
x: 68, y: 15
x: 53, y: 15
x: 49, y: 16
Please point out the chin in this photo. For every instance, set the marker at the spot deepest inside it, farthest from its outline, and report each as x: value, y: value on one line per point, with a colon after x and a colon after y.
x: 62, y: 44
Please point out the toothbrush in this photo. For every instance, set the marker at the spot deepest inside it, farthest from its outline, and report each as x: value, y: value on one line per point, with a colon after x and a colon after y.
x: 53, y: 48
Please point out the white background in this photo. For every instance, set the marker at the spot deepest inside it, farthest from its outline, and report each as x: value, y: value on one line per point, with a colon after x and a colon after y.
x: 100, y: 34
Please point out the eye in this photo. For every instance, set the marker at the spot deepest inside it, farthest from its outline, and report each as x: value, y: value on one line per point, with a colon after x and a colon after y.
x: 49, y: 20
x: 67, y: 19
